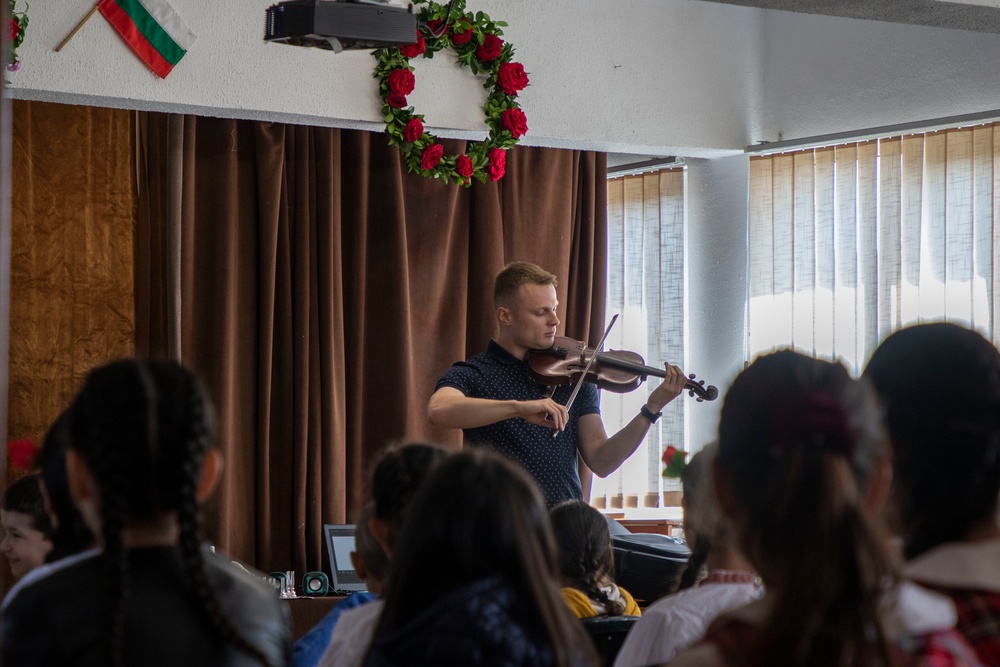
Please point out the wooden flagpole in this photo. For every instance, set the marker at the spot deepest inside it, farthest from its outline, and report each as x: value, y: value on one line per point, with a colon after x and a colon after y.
x: 77, y: 28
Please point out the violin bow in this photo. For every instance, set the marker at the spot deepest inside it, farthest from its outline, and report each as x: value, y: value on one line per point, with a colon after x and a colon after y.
x: 593, y: 357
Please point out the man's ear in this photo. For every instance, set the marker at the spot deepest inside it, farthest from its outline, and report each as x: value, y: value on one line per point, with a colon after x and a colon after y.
x: 382, y: 533
x: 359, y: 565
x: 725, y: 494
x: 81, y: 485
x: 211, y: 473
x: 879, y: 486
x: 504, y: 316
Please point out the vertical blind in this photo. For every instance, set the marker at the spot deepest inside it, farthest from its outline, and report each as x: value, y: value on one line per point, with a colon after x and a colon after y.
x: 849, y: 243
x: 646, y: 289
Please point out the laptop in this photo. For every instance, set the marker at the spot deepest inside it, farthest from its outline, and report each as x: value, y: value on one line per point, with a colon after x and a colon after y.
x: 339, y: 545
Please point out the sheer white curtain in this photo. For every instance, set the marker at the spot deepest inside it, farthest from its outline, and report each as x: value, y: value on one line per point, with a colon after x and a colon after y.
x: 851, y: 242
x: 646, y: 289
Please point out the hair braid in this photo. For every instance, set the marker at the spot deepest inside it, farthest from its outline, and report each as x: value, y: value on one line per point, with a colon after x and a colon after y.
x: 696, y: 563
x: 114, y: 506
x: 190, y: 524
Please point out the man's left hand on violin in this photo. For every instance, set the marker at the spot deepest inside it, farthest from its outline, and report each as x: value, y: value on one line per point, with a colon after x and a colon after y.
x: 669, y: 389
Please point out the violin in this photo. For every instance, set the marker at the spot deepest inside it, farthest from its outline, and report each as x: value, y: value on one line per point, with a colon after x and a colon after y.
x: 619, y: 371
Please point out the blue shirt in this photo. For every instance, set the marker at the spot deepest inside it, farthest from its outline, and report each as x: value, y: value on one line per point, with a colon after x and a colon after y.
x: 310, y: 648
x: 497, y: 374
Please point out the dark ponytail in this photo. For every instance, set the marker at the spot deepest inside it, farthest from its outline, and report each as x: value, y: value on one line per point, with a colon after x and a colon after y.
x: 797, y: 441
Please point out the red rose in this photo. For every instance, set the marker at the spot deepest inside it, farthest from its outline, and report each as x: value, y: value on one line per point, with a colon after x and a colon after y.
x: 413, y: 50
x: 431, y: 156
x: 413, y: 130
x: 512, y: 78
x: 437, y: 28
x: 12, y: 29
x: 490, y: 48
x: 514, y: 120
x: 498, y: 164
x: 401, y: 81
x: 463, y: 165
x: 397, y: 100
x: 465, y: 35
x: 22, y: 453
x: 668, y: 454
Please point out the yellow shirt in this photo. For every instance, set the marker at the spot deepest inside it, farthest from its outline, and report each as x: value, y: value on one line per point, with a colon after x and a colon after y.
x: 583, y: 607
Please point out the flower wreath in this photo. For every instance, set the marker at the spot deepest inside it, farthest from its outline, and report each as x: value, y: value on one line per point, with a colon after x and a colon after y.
x: 476, y: 41
x: 16, y: 24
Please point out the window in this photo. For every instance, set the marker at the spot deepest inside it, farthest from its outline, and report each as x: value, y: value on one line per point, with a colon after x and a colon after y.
x: 848, y: 243
x: 646, y: 289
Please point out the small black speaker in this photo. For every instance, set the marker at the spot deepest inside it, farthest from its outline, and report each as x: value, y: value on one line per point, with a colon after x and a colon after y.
x: 315, y: 584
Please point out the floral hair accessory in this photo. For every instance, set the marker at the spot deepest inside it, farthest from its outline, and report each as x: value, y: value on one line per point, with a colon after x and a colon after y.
x: 22, y: 453
x: 817, y: 414
x: 15, y: 34
x: 476, y: 41
x: 674, y: 462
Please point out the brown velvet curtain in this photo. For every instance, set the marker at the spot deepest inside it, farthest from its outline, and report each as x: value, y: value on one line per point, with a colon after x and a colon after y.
x: 71, y: 256
x: 322, y: 290
x: 71, y: 287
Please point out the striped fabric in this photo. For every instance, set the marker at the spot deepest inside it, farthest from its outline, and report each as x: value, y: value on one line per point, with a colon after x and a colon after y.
x: 154, y: 31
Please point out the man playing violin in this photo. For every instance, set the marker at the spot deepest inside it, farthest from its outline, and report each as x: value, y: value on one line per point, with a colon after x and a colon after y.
x: 494, y: 400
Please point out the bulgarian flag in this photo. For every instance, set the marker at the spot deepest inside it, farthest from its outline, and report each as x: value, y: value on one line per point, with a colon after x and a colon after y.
x: 152, y: 28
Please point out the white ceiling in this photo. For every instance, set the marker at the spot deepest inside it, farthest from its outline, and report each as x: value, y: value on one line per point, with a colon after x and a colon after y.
x: 973, y: 15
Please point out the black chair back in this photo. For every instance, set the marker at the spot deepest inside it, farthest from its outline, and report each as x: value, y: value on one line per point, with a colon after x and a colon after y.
x: 608, y: 634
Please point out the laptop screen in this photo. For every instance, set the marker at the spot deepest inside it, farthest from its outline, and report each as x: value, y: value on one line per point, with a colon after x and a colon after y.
x: 339, y: 545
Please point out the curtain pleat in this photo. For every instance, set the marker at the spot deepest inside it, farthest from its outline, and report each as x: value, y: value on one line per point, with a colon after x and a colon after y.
x: 324, y: 291
x: 645, y: 287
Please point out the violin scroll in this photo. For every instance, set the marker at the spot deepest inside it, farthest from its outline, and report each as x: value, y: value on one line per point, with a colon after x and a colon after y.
x: 698, y: 389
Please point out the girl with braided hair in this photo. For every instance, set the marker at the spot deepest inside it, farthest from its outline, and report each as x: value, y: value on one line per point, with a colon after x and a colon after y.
x: 587, y: 563
x: 802, y: 471
x: 940, y: 387
x: 139, y: 466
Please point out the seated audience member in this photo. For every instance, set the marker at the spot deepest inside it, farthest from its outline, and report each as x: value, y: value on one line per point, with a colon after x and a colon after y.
x: 679, y: 620
x: 27, y: 530
x: 800, y: 469
x: 395, y: 480
x: 473, y: 580
x: 372, y: 566
x: 587, y: 562
x: 940, y: 387
x: 139, y: 466
x: 70, y: 536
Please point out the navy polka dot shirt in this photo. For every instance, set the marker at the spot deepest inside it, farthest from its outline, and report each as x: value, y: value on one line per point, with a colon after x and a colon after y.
x: 497, y: 374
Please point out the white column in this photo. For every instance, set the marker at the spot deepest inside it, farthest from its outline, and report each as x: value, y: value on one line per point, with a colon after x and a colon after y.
x: 717, y: 214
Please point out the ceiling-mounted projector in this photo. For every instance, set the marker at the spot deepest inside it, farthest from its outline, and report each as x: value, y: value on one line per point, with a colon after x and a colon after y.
x: 340, y: 24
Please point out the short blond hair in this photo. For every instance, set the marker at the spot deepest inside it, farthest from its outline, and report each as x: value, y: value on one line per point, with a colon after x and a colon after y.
x: 515, y: 274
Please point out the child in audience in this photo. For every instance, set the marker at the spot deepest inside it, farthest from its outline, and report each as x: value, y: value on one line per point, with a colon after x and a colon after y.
x: 398, y: 475
x: 27, y: 530
x: 372, y: 566
x: 675, y: 622
x: 940, y: 387
x: 473, y: 579
x: 139, y: 466
x: 587, y: 562
x: 799, y: 470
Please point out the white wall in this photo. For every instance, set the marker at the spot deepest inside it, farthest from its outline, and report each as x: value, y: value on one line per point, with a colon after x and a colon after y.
x: 716, y: 243
x: 827, y: 74
x: 631, y: 76
x: 678, y: 77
